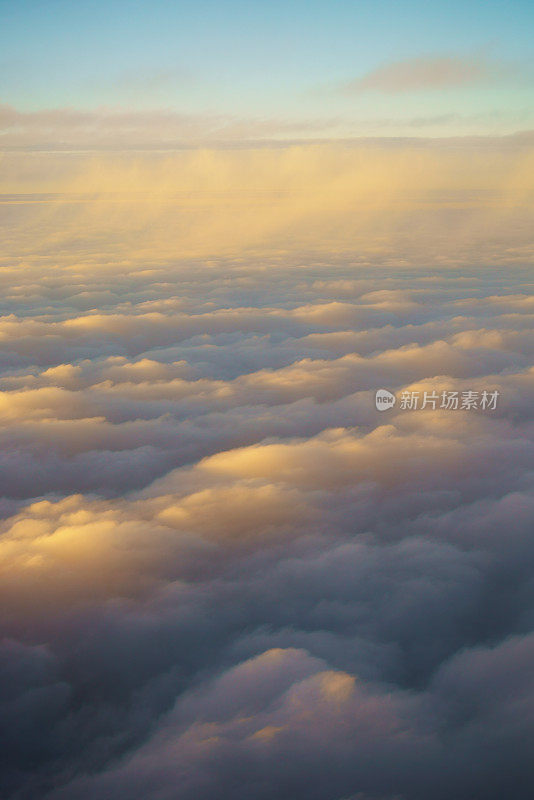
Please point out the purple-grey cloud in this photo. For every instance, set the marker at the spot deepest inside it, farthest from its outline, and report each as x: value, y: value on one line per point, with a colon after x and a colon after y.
x: 425, y: 73
x: 225, y: 573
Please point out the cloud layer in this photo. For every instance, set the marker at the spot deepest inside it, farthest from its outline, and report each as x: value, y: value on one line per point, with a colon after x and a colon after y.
x: 224, y: 573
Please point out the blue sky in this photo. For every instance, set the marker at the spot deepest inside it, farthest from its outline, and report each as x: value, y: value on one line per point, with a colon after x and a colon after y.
x: 294, y: 60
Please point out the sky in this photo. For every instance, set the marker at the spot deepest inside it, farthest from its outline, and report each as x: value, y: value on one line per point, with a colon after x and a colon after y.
x: 225, y: 570
x: 276, y: 70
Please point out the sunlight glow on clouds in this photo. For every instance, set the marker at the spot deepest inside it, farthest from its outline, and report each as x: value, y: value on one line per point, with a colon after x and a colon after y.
x: 225, y: 572
x: 222, y: 569
x: 462, y: 196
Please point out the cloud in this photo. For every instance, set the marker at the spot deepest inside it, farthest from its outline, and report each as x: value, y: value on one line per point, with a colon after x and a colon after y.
x: 223, y: 572
x: 286, y: 708
x: 427, y: 73
x: 465, y: 198
x: 121, y: 128
x: 127, y: 128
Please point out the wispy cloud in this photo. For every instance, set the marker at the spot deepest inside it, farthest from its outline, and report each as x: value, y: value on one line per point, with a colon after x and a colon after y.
x: 123, y: 128
x: 426, y: 72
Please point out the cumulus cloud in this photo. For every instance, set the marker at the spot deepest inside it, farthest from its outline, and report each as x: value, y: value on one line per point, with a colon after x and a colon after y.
x: 286, y: 708
x: 223, y: 572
